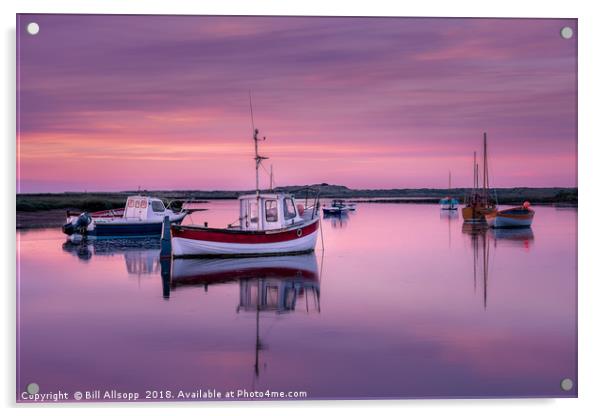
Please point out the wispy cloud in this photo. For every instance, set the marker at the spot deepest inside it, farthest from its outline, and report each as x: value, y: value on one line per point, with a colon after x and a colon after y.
x: 163, y: 89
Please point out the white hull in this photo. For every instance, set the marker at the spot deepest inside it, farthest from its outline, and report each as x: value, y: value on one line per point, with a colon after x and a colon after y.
x: 183, y: 268
x: 189, y: 247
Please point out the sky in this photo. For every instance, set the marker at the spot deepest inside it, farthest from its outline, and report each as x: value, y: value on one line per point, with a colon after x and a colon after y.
x: 109, y: 103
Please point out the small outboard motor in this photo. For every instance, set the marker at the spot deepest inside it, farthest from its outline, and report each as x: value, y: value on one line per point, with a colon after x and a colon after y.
x: 77, y: 225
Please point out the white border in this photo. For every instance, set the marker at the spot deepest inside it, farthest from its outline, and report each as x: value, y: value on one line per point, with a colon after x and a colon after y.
x: 590, y: 276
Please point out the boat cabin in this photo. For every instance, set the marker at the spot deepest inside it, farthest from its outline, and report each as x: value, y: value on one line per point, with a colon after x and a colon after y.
x: 144, y: 208
x: 269, y: 211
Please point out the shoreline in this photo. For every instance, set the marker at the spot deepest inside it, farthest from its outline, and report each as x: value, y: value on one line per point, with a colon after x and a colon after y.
x: 55, y: 218
x: 98, y: 201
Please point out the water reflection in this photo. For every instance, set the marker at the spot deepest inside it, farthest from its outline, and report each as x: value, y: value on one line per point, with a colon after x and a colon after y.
x: 405, y: 311
x: 298, y: 272
x: 141, y: 255
x: 519, y: 237
x: 279, y: 285
x: 479, y: 244
x: 338, y: 220
x: 449, y: 216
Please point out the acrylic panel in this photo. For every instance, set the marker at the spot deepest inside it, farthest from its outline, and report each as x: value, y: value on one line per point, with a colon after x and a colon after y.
x: 295, y: 208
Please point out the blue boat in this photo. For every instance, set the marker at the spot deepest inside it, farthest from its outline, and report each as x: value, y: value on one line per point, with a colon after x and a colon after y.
x: 448, y: 203
x: 142, y: 216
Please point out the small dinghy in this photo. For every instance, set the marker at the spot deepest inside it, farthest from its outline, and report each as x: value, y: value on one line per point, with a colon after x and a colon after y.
x: 517, y: 217
x: 142, y: 216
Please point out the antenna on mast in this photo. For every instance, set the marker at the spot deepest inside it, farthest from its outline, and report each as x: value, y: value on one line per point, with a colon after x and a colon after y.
x: 251, y: 107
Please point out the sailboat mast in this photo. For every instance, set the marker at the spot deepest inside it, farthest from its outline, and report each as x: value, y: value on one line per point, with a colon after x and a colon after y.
x: 474, y: 173
x: 485, y: 184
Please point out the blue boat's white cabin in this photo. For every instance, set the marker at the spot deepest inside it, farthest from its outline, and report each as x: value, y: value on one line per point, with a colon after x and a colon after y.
x: 272, y: 211
x: 145, y: 208
x: 142, y: 215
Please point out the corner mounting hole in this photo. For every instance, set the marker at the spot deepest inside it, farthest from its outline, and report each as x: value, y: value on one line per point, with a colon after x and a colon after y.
x: 566, y: 32
x: 33, y: 28
x: 33, y: 388
x: 566, y: 384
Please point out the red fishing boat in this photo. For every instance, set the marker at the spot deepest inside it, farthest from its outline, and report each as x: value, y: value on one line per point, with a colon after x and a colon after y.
x: 268, y: 224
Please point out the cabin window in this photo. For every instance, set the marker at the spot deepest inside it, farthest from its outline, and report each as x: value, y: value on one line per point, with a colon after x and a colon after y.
x: 137, y: 204
x: 252, y: 211
x: 158, y: 206
x: 289, y: 209
x: 271, y: 210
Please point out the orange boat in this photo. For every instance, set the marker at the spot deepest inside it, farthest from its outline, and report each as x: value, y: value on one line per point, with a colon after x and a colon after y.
x: 479, y: 204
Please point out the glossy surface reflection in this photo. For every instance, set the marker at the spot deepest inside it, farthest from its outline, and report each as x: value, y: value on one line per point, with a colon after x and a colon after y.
x: 403, y: 302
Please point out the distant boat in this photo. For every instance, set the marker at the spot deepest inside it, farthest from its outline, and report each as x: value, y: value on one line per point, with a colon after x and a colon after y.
x: 142, y: 216
x: 517, y: 217
x: 479, y: 203
x: 337, y: 206
x: 448, y: 203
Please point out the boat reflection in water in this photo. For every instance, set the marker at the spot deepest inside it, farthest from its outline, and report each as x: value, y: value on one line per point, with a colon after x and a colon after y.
x: 338, y: 220
x: 280, y: 285
x: 480, y: 255
x: 449, y: 215
x: 141, y: 255
x: 521, y: 237
x: 274, y: 283
x: 480, y: 237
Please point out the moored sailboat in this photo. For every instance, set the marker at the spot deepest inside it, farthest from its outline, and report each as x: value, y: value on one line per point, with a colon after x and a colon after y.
x: 479, y: 203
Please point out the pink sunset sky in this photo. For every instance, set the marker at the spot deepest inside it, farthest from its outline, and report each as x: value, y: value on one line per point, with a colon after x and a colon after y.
x: 161, y: 102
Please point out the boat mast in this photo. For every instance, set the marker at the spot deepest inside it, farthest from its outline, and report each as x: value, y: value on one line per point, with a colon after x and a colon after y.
x: 474, y: 173
x: 485, y: 179
x: 258, y: 160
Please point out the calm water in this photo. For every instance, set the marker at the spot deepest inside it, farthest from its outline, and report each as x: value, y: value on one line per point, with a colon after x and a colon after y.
x: 403, y: 302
